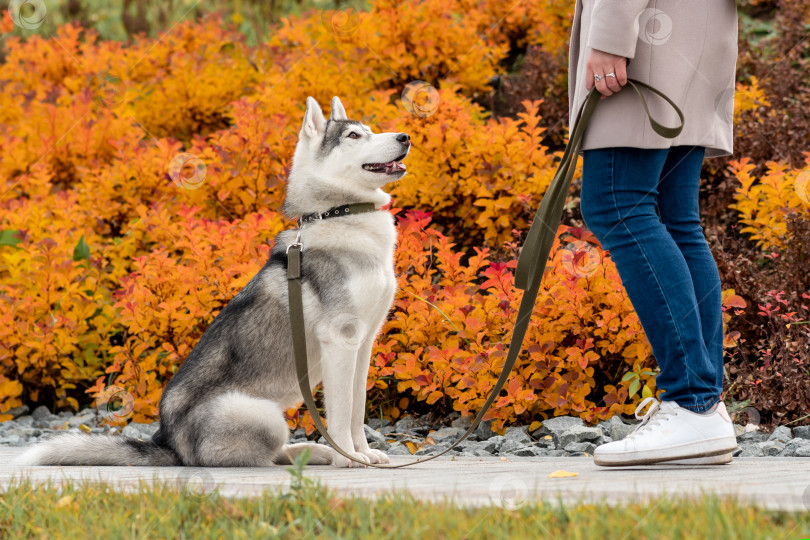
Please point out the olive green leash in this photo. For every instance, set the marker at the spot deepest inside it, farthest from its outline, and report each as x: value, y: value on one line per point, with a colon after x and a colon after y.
x: 528, y: 274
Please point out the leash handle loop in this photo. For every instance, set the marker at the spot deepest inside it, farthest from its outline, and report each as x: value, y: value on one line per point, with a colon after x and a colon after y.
x: 528, y: 274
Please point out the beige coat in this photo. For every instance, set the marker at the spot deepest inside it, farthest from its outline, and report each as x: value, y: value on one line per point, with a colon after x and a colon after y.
x: 687, y: 49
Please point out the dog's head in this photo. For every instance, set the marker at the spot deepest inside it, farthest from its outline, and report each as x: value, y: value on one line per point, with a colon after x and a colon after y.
x: 339, y: 161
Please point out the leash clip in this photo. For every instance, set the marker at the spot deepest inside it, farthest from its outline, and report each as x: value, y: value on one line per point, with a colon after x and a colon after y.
x: 297, y: 243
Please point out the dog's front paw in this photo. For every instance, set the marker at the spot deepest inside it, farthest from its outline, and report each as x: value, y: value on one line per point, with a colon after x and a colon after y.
x: 338, y: 460
x: 375, y: 456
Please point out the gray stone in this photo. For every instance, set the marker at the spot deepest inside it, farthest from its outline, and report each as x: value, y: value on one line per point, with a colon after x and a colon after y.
x: 616, y: 428
x: 140, y: 431
x: 739, y: 429
x: 782, y: 434
x: 802, y: 432
x: 85, y: 418
x: 385, y: 430
x: 463, y: 423
x: 753, y: 437
x: 562, y: 423
x: 65, y: 414
x: 578, y: 434
x: 431, y: 449
x: 449, y: 434
x: 510, y: 446
x: 377, y: 423
x: 12, y: 440
x: 40, y: 413
x: 24, y: 421
x: 587, y: 447
x: 527, y: 451
x: 300, y: 433
x: 517, y: 433
x: 484, y: 430
x: 750, y: 450
x: 547, y: 444
x: 556, y: 453
x: 373, y: 435
x: 791, y: 446
x: 380, y: 445
x: 404, y: 424
x: 771, y: 448
x: 16, y: 412
x: 802, y: 450
x: 398, y: 449
x: 493, y: 444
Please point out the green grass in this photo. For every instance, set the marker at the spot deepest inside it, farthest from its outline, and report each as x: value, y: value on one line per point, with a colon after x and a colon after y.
x: 309, y: 511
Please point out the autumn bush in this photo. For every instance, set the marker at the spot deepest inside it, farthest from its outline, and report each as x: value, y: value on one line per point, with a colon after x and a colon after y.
x: 141, y: 181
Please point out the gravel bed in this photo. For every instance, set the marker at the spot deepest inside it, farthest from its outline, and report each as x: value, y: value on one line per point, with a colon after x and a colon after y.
x: 556, y: 437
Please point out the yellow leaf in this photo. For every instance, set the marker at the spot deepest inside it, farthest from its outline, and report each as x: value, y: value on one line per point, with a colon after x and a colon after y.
x: 562, y: 474
x: 535, y: 425
x: 64, y: 501
x: 411, y: 447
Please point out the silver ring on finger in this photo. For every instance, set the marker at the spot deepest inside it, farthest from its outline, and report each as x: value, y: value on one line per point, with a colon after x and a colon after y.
x: 597, y: 78
x: 611, y: 75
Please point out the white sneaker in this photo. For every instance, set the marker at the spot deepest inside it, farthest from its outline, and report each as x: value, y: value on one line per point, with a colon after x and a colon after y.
x: 668, y: 432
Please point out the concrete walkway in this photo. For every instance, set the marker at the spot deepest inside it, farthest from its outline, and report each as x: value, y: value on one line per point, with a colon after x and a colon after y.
x: 773, y: 483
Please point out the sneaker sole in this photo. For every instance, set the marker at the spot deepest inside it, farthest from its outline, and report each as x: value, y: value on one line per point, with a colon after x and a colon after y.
x: 720, y: 459
x: 688, y: 451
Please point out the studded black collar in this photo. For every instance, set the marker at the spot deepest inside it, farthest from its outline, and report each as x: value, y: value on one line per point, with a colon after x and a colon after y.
x: 337, y: 211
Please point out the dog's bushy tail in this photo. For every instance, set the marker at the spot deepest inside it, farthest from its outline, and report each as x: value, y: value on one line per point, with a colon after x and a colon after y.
x: 97, y: 449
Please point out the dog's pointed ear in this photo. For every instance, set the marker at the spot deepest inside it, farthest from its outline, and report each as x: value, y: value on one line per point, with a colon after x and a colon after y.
x: 314, y: 121
x: 338, y: 112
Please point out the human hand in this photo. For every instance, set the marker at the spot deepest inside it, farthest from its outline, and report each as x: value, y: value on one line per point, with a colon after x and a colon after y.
x: 601, y: 63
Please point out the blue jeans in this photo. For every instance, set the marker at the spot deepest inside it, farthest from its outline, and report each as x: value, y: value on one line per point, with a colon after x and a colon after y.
x: 642, y: 206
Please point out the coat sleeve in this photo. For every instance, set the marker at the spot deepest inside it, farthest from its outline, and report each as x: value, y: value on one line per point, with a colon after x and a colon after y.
x: 614, y: 26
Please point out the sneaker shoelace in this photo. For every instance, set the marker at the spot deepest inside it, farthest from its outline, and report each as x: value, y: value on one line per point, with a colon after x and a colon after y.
x: 655, y: 415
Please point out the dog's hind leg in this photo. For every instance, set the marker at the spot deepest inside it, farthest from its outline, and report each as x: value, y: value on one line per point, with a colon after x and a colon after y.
x: 240, y: 431
x: 319, y: 454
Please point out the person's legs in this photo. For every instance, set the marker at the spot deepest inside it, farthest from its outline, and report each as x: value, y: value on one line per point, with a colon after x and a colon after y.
x: 678, y: 204
x: 619, y: 203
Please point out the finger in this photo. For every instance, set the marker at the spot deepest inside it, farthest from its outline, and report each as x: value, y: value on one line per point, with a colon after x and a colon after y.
x: 612, y: 83
x: 588, y: 78
x: 621, y: 72
x: 602, y: 87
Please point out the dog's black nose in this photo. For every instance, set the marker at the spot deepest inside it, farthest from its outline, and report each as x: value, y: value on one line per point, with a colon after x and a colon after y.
x: 403, y: 138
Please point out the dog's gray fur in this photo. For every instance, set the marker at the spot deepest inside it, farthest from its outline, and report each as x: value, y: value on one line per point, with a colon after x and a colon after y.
x: 224, y: 406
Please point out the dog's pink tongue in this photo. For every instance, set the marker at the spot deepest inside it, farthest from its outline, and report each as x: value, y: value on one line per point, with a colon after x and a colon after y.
x: 394, y: 166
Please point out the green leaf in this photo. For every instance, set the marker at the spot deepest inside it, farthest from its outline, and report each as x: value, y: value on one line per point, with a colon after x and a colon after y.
x: 81, y: 251
x: 634, y: 387
x: 9, y: 237
x: 629, y: 375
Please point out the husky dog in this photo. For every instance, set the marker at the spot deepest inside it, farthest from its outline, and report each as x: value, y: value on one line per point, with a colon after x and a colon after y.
x: 225, y: 406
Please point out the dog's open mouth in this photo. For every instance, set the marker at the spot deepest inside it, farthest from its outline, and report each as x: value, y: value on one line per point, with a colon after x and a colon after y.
x: 391, y: 167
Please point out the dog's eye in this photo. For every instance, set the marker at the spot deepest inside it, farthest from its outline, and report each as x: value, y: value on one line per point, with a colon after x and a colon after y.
x: 353, y: 135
